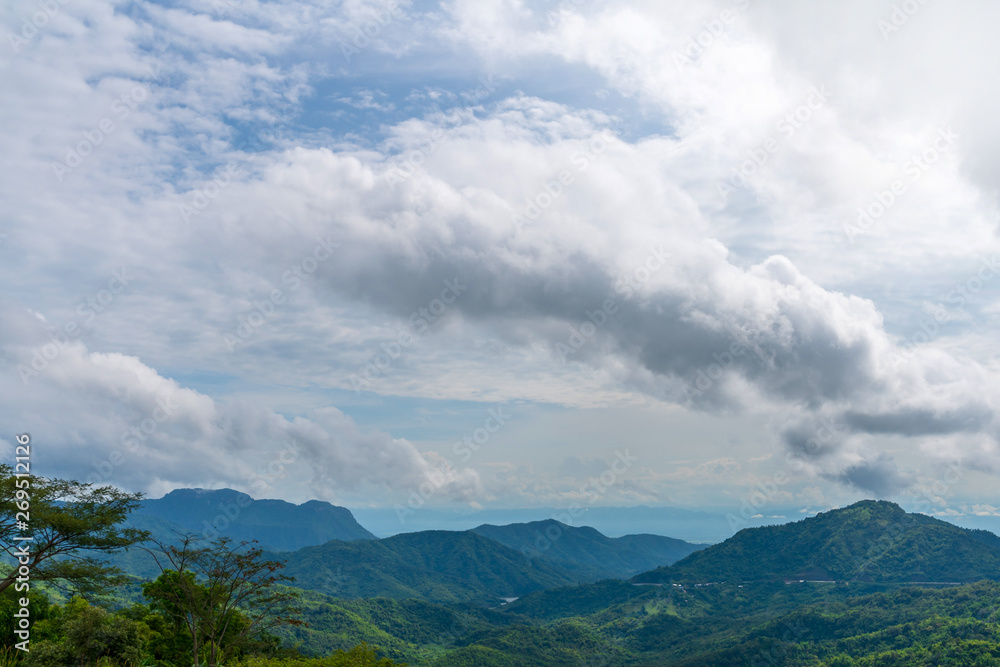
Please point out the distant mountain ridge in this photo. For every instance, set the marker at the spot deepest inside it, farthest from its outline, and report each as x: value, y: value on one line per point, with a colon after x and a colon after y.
x: 870, y: 540
x: 434, y: 565
x: 329, y: 552
x: 588, y: 551
x: 694, y: 526
x: 484, y: 564
x: 278, y: 525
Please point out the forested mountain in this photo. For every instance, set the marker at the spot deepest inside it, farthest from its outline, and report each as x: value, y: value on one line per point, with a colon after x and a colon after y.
x: 435, y: 565
x: 867, y: 541
x: 586, y: 550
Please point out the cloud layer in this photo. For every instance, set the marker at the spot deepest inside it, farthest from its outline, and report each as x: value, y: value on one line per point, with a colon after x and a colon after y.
x: 694, y: 204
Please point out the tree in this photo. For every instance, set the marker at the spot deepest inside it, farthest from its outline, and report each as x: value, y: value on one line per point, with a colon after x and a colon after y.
x: 361, y: 655
x: 224, y: 595
x: 39, y: 609
x: 70, y: 523
x: 86, y: 635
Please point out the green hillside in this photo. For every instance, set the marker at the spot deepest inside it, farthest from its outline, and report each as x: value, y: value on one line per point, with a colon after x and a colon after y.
x: 411, y: 630
x: 750, y: 624
x: 868, y: 541
x: 435, y: 565
x: 590, y: 553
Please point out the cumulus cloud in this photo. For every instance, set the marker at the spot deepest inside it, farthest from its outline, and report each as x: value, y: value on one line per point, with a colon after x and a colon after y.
x: 698, y: 330
x: 564, y: 233
x: 109, y: 418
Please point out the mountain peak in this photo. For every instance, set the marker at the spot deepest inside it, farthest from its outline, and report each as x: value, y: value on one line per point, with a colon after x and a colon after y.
x: 876, y: 505
x: 276, y: 524
x: 871, y: 540
x: 205, y: 495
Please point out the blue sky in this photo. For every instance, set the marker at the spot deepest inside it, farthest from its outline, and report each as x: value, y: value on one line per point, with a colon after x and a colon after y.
x: 749, y: 248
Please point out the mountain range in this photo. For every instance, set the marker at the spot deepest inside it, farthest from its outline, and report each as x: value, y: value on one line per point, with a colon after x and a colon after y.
x: 327, y: 551
x: 865, y: 585
x: 588, y: 552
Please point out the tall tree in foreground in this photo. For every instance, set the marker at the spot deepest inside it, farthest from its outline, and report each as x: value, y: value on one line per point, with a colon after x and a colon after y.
x: 224, y: 594
x: 71, y: 523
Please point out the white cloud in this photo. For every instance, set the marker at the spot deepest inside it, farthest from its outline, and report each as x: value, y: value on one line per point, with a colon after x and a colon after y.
x: 112, y: 419
x: 825, y: 327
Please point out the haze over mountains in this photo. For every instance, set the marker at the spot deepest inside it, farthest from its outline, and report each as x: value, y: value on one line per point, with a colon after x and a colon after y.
x: 278, y: 525
x: 329, y: 552
x: 686, y: 524
x: 590, y: 553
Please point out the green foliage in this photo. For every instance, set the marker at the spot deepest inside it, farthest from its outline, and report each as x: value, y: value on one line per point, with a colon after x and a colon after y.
x: 591, y: 555
x: 166, y: 643
x: 575, y: 600
x: 224, y: 596
x: 71, y: 524
x: 361, y: 655
x: 407, y: 630
x: 566, y: 644
x: 39, y: 609
x: 82, y: 635
x: 438, y: 566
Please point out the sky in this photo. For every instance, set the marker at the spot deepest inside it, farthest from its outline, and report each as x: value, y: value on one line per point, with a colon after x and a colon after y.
x: 505, y: 254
